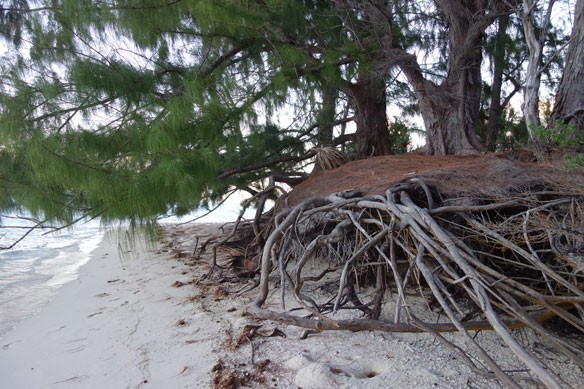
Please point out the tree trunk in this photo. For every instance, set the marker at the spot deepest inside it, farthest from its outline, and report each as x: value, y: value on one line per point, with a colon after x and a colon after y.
x: 326, y: 115
x: 372, y: 135
x: 449, y: 120
x: 569, y: 104
x: 535, y: 37
x: 450, y: 110
x: 496, y: 108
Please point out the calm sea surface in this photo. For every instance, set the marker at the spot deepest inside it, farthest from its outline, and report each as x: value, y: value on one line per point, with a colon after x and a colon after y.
x: 32, y: 272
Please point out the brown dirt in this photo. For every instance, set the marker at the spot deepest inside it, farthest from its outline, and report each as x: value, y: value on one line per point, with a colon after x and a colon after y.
x: 452, y: 174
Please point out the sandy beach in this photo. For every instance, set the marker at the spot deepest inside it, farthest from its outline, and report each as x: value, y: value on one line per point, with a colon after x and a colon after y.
x: 140, y: 317
x: 121, y: 324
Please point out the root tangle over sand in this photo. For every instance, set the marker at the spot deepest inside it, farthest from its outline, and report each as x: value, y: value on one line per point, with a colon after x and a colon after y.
x: 499, y: 257
x: 500, y: 264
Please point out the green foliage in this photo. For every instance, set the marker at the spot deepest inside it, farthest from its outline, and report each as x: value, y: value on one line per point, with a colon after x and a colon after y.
x: 400, y: 135
x: 574, y: 161
x: 140, y: 124
x: 130, y: 109
x: 567, y: 137
x: 562, y: 134
x: 514, y: 132
x: 106, y: 78
x: 11, y: 20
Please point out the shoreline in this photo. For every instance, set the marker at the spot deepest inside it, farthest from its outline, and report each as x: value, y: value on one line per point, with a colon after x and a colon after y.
x: 33, y: 272
x: 120, y: 324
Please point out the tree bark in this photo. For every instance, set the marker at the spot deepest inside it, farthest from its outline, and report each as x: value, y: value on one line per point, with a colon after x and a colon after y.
x: 449, y: 120
x: 535, y: 37
x: 450, y: 110
x: 496, y: 108
x: 326, y: 116
x: 372, y: 134
x: 569, y: 104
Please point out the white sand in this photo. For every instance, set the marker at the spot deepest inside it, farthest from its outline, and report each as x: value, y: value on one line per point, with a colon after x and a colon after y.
x: 114, y: 327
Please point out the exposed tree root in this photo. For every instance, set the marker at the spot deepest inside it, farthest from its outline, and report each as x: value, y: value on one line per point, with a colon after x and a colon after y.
x: 497, y: 262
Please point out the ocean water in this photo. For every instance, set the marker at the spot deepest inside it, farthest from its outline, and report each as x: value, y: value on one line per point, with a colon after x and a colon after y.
x: 32, y: 272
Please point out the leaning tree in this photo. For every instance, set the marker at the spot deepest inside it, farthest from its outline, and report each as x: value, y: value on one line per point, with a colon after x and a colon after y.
x: 164, y: 98
x: 168, y: 105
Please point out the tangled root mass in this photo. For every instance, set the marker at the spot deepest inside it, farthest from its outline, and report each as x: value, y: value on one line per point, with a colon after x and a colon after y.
x: 500, y: 250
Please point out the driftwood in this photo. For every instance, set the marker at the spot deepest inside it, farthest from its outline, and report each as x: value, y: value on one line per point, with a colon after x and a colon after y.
x: 496, y: 261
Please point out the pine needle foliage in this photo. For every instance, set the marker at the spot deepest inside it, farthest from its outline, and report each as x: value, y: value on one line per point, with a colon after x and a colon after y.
x: 130, y: 109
